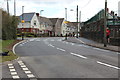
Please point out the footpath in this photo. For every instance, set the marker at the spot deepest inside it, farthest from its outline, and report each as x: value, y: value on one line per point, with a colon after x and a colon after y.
x: 92, y: 43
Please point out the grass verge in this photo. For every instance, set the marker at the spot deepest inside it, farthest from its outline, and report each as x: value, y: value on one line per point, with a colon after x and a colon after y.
x: 7, y: 45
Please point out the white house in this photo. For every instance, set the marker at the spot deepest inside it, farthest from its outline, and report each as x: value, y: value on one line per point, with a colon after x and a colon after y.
x: 31, y: 23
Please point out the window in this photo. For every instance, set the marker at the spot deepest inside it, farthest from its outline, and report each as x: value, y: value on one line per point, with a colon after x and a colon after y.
x: 35, y: 23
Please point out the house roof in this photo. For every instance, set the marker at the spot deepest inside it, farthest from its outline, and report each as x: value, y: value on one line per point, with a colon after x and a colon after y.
x: 53, y: 20
x: 27, y: 16
x: 44, y: 19
x: 60, y: 20
x: 72, y: 24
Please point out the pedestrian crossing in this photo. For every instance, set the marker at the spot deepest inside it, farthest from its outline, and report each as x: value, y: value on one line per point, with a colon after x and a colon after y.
x: 18, y: 70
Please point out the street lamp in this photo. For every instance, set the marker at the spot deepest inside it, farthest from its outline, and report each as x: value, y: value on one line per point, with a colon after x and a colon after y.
x: 105, y: 24
x: 40, y: 17
x: 41, y: 11
x: 22, y: 23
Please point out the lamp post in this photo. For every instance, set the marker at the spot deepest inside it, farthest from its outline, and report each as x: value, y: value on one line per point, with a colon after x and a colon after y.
x: 41, y: 11
x: 105, y: 24
x: 40, y: 17
x: 14, y: 8
x: 22, y: 23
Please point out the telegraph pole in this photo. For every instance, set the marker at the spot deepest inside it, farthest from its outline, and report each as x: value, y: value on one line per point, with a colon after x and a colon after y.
x: 7, y: 6
x: 14, y: 8
x: 105, y: 24
x: 77, y: 21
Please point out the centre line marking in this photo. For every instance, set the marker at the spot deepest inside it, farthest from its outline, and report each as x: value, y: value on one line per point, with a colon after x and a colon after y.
x: 61, y: 49
x: 108, y: 65
x: 51, y: 45
x: 79, y: 55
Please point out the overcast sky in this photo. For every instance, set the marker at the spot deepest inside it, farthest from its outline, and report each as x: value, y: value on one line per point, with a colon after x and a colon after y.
x: 56, y: 8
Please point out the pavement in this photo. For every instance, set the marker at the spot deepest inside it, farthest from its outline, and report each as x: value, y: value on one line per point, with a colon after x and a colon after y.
x: 92, y: 43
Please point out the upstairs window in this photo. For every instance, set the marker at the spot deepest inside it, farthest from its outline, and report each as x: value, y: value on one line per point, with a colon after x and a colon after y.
x: 35, y: 23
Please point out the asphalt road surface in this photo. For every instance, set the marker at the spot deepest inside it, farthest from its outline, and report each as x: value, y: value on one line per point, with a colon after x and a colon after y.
x: 54, y: 58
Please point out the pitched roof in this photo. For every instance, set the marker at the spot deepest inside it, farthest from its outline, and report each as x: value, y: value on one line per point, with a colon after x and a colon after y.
x: 27, y: 16
x: 72, y: 24
x: 44, y: 19
x: 53, y: 20
x: 60, y: 20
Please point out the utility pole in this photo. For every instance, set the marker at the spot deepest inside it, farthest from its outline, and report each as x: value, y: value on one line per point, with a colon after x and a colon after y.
x: 7, y: 6
x: 105, y: 24
x: 14, y: 8
x: 77, y: 21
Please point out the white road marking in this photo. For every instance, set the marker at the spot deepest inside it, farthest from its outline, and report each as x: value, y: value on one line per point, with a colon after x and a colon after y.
x: 117, y: 52
x: 101, y: 50
x: 10, y: 64
x: 108, y: 65
x: 25, y: 69
x: 23, y: 66
x: 16, y: 45
x: 30, y: 75
x: 27, y: 72
x: 16, y: 77
x: 80, y: 41
x: 79, y: 55
x: 20, y: 62
x: 51, y: 45
x: 72, y: 43
x: 13, y: 73
x: 61, y: 49
x: 21, y: 44
x: 11, y: 70
x: 80, y: 45
x: 85, y: 46
x: 11, y: 67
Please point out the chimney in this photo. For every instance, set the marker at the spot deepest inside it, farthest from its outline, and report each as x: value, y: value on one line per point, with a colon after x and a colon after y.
x: 37, y: 14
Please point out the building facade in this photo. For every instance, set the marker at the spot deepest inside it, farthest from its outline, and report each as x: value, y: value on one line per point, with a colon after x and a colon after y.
x: 30, y: 25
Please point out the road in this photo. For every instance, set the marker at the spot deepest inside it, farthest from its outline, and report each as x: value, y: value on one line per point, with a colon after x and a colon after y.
x: 54, y: 58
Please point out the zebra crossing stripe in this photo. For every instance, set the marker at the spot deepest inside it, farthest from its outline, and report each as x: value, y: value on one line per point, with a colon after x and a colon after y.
x: 30, y: 75
x: 15, y: 77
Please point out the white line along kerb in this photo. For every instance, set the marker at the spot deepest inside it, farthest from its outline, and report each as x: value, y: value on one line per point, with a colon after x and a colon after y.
x: 108, y: 65
x: 16, y: 45
x: 80, y: 41
x: 79, y: 55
